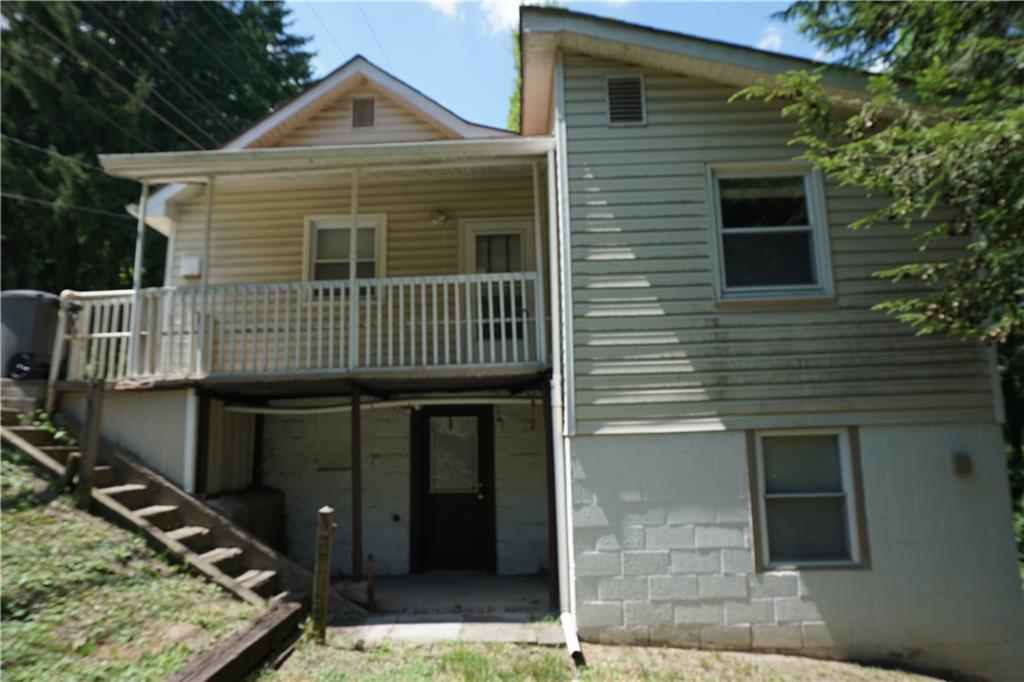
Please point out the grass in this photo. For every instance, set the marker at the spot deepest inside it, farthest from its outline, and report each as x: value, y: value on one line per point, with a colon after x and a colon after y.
x: 82, y: 599
x: 342, y: 659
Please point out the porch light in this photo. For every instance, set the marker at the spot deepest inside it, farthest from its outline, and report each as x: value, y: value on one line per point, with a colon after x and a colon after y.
x: 438, y: 217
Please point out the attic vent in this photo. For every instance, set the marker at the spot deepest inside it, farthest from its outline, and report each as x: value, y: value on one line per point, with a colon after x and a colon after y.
x: 363, y: 112
x: 625, y: 99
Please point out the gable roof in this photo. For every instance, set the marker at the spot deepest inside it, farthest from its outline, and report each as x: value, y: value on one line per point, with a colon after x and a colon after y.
x: 291, y: 115
x: 543, y: 31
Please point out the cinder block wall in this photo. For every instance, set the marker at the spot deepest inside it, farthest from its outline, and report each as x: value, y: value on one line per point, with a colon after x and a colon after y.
x: 309, y: 458
x: 663, y: 553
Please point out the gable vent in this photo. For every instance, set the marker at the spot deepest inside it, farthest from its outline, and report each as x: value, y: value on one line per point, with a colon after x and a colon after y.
x: 625, y: 99
x: 363, y: 112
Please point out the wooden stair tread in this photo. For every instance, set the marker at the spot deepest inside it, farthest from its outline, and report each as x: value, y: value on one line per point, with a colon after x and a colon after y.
x: 123, y: 488
x: 156, y: 509
x: 187, y: 532
x: 255, y: 578
x: 218, y: 554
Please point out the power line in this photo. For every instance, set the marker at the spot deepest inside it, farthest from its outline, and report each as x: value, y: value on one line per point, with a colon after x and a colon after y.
x: 112, y: 81
x: 68, y: 207
x: 51, y: 152
x: 258, y: 44
x: 210, y: 13
x: 375, y: 38
x: 330, y: 34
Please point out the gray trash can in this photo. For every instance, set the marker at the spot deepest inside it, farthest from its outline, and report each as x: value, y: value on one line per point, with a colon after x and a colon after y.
x: 29, y: 320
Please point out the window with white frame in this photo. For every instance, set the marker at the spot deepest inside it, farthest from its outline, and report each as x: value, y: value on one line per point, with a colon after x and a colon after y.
x: 771, y: 232
x: 327, y: 247
x: 807, y: 499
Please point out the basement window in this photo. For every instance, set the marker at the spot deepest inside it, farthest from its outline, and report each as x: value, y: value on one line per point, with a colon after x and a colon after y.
x: 771, y: 232
x: 364, y: 112
x: 626, y: 103
x: 807, y: 494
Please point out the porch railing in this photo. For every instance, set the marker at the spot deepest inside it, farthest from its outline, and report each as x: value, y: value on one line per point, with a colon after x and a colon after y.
x: 305, y: 327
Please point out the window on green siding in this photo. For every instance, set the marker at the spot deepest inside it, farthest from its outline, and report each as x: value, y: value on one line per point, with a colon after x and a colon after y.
x: 771, y: 234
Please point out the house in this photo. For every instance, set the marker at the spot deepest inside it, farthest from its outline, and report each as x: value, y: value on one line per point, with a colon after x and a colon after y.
x: 630, y: 351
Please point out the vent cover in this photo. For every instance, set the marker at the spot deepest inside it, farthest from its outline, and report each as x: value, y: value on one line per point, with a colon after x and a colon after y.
x: 625, y: 99
x: 363, y: 112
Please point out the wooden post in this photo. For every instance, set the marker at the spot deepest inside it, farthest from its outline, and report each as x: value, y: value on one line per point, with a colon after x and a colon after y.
x: 322, y: 571
x: 357, y: 487
x: 90, y: 442
x: 70, y: 471
x: 371, y: 589
x: 136, y: 319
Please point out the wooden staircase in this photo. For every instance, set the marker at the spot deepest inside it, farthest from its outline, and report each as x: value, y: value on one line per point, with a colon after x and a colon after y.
x: 130, y: 494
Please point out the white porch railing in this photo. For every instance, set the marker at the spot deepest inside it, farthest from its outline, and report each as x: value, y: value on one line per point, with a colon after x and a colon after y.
x: 306, y: 327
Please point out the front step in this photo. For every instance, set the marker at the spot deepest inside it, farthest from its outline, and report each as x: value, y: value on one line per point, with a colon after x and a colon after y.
x: 59, y: 452
x: 263, y: 583
x: 227, y: 559
x: 32, y: 434
x: 131, y: 495
x: 196, y: 538
x: 163, y: 516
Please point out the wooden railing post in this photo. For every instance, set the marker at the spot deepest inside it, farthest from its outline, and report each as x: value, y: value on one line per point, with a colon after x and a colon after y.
x: 90, y: 442
x: 322, y: 571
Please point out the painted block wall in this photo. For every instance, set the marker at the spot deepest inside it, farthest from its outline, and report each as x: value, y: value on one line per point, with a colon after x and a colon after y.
x: 149, y: 424
x: 309, y: 458
x: 663, y: 554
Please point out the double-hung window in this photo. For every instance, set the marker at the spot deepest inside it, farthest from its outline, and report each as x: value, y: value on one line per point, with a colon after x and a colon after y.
x: 327, y: 247
x: 770, y: 232
x: 807, y: 497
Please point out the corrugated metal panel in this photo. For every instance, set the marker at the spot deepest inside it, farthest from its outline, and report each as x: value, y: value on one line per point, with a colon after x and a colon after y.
x: 653, y: 353
x: 333, y: 125
x: 230, y: 450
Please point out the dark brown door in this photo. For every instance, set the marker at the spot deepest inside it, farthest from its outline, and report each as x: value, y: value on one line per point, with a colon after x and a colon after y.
x: 453, y: 489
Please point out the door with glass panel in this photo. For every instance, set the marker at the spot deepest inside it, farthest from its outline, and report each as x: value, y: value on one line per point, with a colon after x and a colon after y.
x: 494, y: 249
x: 452, y: 485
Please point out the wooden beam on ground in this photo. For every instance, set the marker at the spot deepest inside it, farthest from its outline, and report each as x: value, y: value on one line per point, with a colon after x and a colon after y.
x: 357, y: 486
x: 233, y: 658
x: 90, y: 443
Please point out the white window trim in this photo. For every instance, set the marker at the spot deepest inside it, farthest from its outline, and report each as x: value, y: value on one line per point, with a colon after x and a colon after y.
x: 344, y: 222
x: 608, y: 104
x: 469, y: 229
x: 814, y: 189
x: 352, y: 112
x: 849, y: 491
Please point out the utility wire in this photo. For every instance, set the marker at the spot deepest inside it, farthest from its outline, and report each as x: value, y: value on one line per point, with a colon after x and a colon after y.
x: 69, y: 207
x: 330, y: 34
x: 375, y: 38
x: 112, y: 81
x: 51, y: 152
x: 262, y: 46
x: 26, y: 62
x: 210, y: 13
x: 165, y: 68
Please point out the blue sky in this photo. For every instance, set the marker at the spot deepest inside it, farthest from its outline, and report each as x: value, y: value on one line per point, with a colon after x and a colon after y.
x: 459, y: 53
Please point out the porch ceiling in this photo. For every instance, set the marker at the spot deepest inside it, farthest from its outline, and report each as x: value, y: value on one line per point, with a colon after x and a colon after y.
x: 197, y: 166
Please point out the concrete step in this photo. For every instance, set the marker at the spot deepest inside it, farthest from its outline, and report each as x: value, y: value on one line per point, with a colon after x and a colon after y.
x: 59, y: 452
x: 196, y: 538
x: 131, y: 495
x: 163, y: 516
x: 33, y: 434
x: 9, y: 416
x: 263, y: 583
x: 103, y: 476
x: 227, y: 559
x: 21, y: 388
x: 20, y: 404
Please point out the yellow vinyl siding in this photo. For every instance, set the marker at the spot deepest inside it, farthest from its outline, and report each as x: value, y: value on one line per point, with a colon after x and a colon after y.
x: 333, y: 124
x: 257, y: 234
x: 653, y: 352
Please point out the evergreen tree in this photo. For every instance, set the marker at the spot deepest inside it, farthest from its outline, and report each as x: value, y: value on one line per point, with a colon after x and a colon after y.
x: 79, y: 79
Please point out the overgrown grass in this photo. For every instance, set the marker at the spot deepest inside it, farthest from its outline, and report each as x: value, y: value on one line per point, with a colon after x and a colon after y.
x: 344, y: 659
x: 82, y: 599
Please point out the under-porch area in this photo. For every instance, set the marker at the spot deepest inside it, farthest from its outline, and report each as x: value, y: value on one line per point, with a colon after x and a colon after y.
x: 444, y: 497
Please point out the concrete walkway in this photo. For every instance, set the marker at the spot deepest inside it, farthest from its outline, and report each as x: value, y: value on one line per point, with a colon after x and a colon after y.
x: 446, y: 627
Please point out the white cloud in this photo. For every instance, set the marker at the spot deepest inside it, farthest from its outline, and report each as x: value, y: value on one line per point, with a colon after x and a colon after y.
x: 500, y: 16
x: 449, y: 8
x: 616, y: 3
x: 878, y: 66
x: 822, y: 56
x: 772, y: 39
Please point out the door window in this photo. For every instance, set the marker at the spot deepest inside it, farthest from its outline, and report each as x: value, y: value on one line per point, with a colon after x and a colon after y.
x: 453, y: 455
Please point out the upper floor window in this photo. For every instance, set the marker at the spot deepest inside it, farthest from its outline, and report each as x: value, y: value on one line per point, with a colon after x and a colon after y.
x: 626, y: 103
x: 364, y: 112
x: 808, y: 499
x: 327, y: 247
x: 771, y: 232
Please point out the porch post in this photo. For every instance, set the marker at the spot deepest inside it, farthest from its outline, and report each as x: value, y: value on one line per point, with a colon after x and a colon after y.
x: 538, y: 259
x: 357, y: 486
x: 204, y: 266
x: 140, y: 247
x: 353, y: 293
